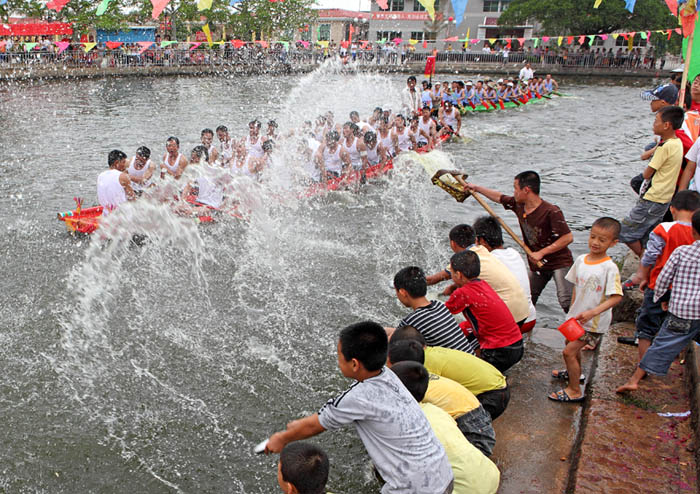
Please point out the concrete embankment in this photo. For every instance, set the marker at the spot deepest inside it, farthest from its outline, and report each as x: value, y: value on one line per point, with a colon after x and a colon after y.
x: 57, y: 71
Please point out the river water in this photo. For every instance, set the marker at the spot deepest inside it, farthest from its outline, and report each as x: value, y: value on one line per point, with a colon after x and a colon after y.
x: 157, y: 369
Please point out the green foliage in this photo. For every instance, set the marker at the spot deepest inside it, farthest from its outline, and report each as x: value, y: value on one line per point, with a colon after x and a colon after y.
x: 559, y: 17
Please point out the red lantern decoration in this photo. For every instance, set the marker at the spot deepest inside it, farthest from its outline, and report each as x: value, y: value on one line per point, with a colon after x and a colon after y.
x: 450, y: 18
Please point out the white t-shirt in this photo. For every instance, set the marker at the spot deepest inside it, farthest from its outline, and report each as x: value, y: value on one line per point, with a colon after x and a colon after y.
x: 526, y: 74
x: 692, y: 155
x: 395, y: 432
x: 594, y: 283
x: 514, y: 262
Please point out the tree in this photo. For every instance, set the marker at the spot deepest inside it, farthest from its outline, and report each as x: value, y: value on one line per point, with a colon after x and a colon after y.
x: 276, y: 20
x: 560, y: 17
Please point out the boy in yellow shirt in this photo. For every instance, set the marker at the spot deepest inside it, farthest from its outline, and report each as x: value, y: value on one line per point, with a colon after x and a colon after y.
x: 474, y: 422
x: 660, y: 178
x: 473, y: 472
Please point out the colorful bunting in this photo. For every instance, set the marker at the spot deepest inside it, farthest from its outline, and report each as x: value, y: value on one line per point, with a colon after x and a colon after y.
x: 643, y: 35
x: 62, y: 46
x: 165, y: 44
x: 545, y: 39
x: 102, y: 7
x: 204, y: 4
x: 2, y: 43
x: 536, y: 42
x: 412, y: 41
x: 615, y: 35
x: 89, y: 46
x: 452, y: 39
x: 559, y: 40
x: 158, y: 6
x: 207, y: 33
x: 237, y: 43
x: 425, y: 44
x: 397, y: 41
x: 29, y: 46
x: 459, y: 6
x: 597, y: 3
x: 306, y: 44
x: 603, y: 37
x: 145, y: 45
x: 383, y: 4
x: 569, y: 40
x: 688, y: 14
x: 195, y: 45
x: 629, y: 5
x: 113, y: 45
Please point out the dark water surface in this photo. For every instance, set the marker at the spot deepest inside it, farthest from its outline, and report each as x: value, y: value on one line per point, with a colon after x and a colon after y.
x: 157, y: 369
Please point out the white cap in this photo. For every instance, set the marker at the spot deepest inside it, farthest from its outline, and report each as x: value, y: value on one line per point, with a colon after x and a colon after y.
x: 468, y: 83
x: 509, y: 84
x: 679, y: 69
x: 499, y: 81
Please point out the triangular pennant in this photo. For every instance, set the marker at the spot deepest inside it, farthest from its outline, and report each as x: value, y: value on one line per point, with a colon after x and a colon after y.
x: 643, y: 35
x: 158, y: 6
x: 569, y: 40
x: 2, y: 43
x: 629, y: 5
x: 521, y: 41
x: 459, y: 6
x: 581, y: 39
x: 669, y: 34
x: 492, y: 40
x: 89, y: 46
x: 102, y: 8
x: 615, y: 35
x: 597, y: 3
x: 204, y: 4
x: 672, y: 6
x: 237, y: 43
x: 603, y: 37
x: 383, y: 4
x: 207, y: 33
x: 545, y: 39
x: 145, y: 45
x: 62, y: 46
x: 425, y: 44
x: 113, y: 45
x: 195, y: 45
x: 559, y: 40
x: 591, y: 38
x: 29, y: 46
x: 165, y: 44
x: 536, y: 42
x: 412, y: 41
x: 429, y: 6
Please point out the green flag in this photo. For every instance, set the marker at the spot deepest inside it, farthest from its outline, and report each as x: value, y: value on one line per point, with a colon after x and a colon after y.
x: 694, y: 62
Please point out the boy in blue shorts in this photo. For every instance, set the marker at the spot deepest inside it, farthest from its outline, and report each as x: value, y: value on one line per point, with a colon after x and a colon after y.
x: 388, y: 420
x: 597, y: 289
x: 683, y: 321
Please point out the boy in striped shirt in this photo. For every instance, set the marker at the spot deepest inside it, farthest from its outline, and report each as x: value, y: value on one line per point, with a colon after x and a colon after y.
x: 430, y: 317
x: 683, y: 321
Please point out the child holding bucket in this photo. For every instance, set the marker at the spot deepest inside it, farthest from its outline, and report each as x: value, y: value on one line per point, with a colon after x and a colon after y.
x: 597, y: 289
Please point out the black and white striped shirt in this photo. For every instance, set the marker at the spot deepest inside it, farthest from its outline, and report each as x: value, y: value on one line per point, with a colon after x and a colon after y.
x: 439, y: 327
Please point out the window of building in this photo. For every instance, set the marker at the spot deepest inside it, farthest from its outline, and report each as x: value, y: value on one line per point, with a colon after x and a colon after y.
x: 505, y: 4
x: 417, y: 7
x: 491, y: 5
x: 324, y: 32
x: 418, y: 35
x: 430, y: 36
x: 394, y: 5
x: 388, y: 35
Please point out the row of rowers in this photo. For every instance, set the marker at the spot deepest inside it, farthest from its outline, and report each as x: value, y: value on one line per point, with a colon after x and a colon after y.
x: 321, y: 151
x: 487, y: 93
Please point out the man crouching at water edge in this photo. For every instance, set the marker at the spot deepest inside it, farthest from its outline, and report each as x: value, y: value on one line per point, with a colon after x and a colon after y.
x: 114, y: 185
x: 389, y: 421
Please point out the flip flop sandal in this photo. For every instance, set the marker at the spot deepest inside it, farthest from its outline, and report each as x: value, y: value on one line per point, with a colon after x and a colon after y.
x: 564, y: 375
x: 562, y: 397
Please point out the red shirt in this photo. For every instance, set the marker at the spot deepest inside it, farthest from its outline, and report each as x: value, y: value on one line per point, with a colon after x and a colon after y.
x: 674, y: 235
x: 493, y: 323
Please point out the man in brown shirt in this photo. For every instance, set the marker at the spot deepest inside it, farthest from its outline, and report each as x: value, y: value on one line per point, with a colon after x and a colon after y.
x: 545, y: 232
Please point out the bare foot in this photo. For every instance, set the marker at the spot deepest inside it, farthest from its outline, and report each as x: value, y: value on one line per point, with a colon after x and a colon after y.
x: 589, y: 347
x: 626, y: 388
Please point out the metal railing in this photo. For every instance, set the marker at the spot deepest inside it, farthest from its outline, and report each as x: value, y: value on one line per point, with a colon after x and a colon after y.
x: 255, y: 55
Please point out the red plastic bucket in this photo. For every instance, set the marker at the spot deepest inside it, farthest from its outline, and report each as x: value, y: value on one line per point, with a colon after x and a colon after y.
x: 571, y: 329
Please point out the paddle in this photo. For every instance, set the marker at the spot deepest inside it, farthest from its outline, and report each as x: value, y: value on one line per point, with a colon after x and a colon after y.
x: 460, y: 193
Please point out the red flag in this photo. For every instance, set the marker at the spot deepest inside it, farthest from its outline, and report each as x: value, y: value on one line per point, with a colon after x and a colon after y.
x: 352, y: 31
x: 569, y: 40
x: 581, y: 39
x: 237, y: 43
x: 688, y: 23
x: 383, y: 4
x: 429, y: 66
x: 425, y: 44
x: 669, y: 34
x: 113, y: 44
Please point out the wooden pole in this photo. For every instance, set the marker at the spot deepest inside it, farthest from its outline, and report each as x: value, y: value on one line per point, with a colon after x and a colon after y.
x: 684, y: 80
x: 508, y: 229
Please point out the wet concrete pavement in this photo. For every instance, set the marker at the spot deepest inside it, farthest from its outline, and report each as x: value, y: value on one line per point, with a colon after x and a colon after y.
x: 625, y: 445
x: 535, y: 436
